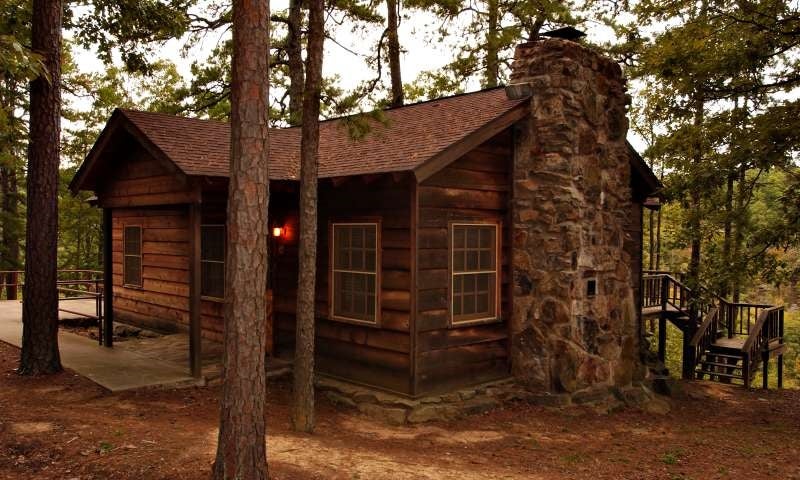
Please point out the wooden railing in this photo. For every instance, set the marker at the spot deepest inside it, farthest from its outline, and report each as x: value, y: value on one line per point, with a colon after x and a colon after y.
x: 72, y: 284
x: 766, y: 334
x: 12, y: 281
x: 661, y: 289
x: 707, y: 334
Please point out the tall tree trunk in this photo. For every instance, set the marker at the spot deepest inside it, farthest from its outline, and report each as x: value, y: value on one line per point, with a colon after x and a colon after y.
x: 492, y: 45
x: 303, y: 407
x: 727, y: 240
x: 294, y: 54
x: 10, y: 240
x: 40, y: 297
x: 241, y: 451
x: 392, y: 24
x: 695, y: 206
x: 738, y: 235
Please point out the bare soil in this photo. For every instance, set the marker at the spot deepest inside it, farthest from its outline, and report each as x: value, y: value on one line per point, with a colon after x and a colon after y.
x: 66, y: 427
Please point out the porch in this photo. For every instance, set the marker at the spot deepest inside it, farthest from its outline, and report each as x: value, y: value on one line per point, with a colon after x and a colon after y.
x: 161, y: 361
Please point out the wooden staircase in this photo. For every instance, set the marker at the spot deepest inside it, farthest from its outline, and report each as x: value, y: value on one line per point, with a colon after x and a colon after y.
x: 722, y: 341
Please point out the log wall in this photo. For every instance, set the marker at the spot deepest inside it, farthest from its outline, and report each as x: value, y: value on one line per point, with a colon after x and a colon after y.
x: 474, y: 188
x: 377, y: 356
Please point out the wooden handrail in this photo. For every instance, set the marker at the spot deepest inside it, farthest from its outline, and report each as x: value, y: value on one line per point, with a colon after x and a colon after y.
x: 755, y: 332
x: 711, y: 316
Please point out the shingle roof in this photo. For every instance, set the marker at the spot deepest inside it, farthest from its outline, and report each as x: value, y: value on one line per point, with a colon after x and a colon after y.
x: 407, y: 137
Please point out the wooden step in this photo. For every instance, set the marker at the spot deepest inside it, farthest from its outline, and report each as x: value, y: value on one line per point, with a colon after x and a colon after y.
x: 723, y: 355
x: 718, y: 374
x: 724, y: 365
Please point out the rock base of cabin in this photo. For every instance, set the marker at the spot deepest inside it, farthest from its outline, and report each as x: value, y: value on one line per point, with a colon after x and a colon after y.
x: 399, y: 410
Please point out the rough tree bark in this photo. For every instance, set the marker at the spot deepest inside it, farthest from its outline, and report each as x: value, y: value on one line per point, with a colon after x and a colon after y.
x: 303, y: 407
x: 492, y: 45
x: 241, y: 451
x: 40, y: 299
x: 392, y: 24
x: 294, y: 54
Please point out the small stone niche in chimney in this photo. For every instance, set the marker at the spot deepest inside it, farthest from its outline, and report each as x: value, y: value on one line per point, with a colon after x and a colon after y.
x: 591, y: 287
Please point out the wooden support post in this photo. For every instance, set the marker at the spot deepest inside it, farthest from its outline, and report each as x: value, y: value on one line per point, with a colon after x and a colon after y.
x: 688, y: 352
x: 780, y: 371
x: 746, y: 370
x: 765, y: 369
x: 195, y: 332
x: 108, y: 279
x: 662, y: 339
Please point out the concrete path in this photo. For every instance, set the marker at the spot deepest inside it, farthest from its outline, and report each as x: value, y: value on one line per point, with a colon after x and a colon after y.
x: 113, y: 368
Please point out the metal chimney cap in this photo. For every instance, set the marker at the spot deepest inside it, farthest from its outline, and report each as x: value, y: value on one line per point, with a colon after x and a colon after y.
x: 567, y: 33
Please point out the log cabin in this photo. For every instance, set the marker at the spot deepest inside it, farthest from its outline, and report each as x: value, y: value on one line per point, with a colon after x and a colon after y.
x: 430, y: 225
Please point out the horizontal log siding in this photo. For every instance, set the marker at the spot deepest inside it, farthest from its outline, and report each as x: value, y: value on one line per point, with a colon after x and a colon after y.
x: 474, y: 188
x: 374, y: 356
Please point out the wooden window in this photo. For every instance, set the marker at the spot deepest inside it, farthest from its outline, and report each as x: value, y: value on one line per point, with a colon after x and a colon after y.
x: 354, y: 272
x: 474, y: 273
x: 212, y: 261
x: 132, y: 256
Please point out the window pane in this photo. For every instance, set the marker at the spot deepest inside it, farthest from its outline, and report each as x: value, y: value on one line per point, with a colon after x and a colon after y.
x: 212, y: 280
x: 469, y: 305
x: 458, y: 261
x: 458, y: 237
x: 133, y: 265
x: 355, y: 251
x: 482, y: 303
x: 487, y: 237
x: 472, y: 237
x: 474, y: 250
x: 357, y: 259
x: 212, y: 243
x: 472, y: 260
x: 482, y: 282
x: 357, y: 237
x: 133, y: 241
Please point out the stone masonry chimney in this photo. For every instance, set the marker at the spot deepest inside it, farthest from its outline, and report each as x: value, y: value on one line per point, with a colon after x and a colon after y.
x: 574, y: 327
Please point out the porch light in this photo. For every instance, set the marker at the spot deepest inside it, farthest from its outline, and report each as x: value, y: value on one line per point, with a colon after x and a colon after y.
x: 277, y: 231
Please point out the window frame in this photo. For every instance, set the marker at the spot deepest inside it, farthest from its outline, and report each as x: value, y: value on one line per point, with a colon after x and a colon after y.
x: 498, y: 271
x: 223, y: 262
x: 368, y: 221
x: 140, y: 255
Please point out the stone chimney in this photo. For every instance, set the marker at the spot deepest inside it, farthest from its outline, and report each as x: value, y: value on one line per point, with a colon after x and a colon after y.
x: 574, y: 323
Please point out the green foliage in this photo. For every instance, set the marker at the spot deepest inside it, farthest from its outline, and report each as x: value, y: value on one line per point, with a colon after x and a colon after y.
x: 724, y: 138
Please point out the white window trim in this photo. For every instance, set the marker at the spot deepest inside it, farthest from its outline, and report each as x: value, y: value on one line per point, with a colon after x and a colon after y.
x: 224, y: 248
x: 334, y: 270
x: 497, y: 271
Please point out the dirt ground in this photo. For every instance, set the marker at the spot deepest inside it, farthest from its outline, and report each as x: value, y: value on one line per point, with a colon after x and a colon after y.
x: 68, y: 428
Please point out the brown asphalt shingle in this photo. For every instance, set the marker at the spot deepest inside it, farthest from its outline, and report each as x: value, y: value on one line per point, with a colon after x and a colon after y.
x: 408, y: 136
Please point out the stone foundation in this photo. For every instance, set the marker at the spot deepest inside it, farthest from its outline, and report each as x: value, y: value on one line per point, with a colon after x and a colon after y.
x: 398, y: 410
x: 574, y: 321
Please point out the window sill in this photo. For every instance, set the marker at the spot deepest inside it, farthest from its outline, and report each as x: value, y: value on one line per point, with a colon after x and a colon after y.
x: 212, y: 299
x: 133, y: 287
x: 472, y: 323
x: 353, y: 321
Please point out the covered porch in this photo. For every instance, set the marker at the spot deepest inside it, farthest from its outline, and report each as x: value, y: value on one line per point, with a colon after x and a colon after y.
x: 160, y: 361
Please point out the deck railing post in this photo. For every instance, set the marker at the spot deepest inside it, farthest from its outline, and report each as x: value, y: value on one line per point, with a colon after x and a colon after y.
x: 11, y: 289
x: 765, y: 368
x: 746, y: 369
x: 108, y: 280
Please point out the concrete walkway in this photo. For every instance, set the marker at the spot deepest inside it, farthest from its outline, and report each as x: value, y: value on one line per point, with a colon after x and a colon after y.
x: 113, y: 368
